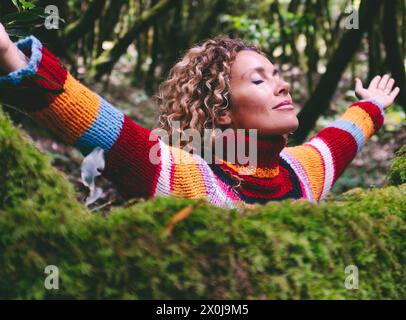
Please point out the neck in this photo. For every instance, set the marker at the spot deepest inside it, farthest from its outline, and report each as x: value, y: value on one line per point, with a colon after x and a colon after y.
x: 262, y: 152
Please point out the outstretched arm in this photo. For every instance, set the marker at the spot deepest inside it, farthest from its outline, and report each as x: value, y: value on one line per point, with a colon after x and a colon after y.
x: 37, y: 83
x: 320, y: 161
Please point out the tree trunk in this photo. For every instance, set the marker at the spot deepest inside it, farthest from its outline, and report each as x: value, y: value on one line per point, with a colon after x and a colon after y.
x: 150, y: 76
x: 77, y: 29
x: 108, y: 21
x: 207, y: 25
x: 394, y: 58
x: 171, y: 39
x: 374, y: 51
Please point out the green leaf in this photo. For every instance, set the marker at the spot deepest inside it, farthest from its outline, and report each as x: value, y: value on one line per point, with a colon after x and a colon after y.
x: 27, y: 5
x: 15, y: 2
x: 25, y: 16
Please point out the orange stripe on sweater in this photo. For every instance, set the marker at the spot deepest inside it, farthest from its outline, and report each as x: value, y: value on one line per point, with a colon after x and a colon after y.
x: 312, y: 163
x: 72, y: 113
x: 187, y: 178
x: 360, y: 118
x: 253, y: 171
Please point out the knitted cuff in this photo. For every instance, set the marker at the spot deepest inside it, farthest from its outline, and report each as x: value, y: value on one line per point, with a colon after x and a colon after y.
x: 35, y: 86
x: 29, y: 44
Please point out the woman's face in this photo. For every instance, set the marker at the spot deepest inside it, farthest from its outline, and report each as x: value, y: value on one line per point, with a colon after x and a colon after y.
x: 260, y: 99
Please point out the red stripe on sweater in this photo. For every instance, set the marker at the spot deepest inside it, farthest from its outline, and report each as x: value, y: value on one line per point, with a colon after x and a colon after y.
x: 263, y: 188
x: 128, y: 164
x: 51, y: 68
x: 343, y: 148
x: 32, y: 96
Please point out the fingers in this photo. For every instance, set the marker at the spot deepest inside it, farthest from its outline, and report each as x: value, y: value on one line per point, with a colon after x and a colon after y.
x: 389, y: 86
x: 382, y: 83
x: 358, y: 85
x: 394, y: 93
x: 374, y: 82
x: 379, y: 82
x: 359, y: 89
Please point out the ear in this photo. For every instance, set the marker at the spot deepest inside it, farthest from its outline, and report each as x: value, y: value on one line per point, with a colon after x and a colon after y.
x: 225, y: 119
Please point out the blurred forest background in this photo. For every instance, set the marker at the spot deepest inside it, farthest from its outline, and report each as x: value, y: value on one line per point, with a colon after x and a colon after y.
x: 123, y: 49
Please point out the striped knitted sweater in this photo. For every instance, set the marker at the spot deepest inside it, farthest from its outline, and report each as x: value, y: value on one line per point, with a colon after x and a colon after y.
x: 48, y: 93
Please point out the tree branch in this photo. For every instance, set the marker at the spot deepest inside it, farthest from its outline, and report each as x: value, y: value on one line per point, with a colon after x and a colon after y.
x: 77, y: 29
x: 105, y: 62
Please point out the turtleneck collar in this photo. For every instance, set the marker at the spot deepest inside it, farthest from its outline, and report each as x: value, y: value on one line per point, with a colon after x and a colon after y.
x: 261, y: 156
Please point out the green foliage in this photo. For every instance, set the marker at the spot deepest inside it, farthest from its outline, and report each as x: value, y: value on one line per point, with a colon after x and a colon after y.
x: 23, y: 4
x: 263, y: 31
x: 259, y: 31
x: 397, y: 173
x: 281, y: 250
x: 21, y: 22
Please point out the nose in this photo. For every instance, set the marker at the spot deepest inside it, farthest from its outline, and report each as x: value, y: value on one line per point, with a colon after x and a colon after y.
x: 281, y: 88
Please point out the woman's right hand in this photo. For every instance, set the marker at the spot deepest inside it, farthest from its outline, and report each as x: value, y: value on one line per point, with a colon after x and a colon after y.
x: 11, y: 58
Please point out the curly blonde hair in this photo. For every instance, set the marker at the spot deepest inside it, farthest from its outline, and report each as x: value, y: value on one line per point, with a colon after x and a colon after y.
x: 197, y: 89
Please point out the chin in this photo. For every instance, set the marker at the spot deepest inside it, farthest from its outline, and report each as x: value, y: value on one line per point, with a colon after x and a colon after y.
x: 280, y: 131
x: 294, y: 126
x: 275, y: 133
x: 288, y: 129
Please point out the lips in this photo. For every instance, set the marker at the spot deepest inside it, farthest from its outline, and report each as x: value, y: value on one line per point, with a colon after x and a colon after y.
x: 284, y: 105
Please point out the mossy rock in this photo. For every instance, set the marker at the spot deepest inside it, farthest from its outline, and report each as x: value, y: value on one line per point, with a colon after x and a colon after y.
x: 282, y: 250
x: 397, y: 172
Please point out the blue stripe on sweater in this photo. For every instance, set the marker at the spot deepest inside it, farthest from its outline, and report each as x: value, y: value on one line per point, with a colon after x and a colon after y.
x: 104, y: 131
x: 351, y: 128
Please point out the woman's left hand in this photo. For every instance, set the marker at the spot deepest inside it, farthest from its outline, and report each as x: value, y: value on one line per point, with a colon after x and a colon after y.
x: 380, y: 89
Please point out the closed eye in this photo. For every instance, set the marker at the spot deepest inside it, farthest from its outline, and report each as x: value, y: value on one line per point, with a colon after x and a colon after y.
x: 258, y: 81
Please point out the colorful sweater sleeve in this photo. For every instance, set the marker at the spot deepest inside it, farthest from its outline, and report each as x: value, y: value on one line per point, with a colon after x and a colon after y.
x: 320, y: 161
x: 48, y: 93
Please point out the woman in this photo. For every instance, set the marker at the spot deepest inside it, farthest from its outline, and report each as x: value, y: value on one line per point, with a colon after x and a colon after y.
x: 220, y: 84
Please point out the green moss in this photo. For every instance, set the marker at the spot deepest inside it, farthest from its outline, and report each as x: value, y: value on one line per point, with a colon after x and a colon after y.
x: 397, y: 172
x: 28, y: 181
x: 282, y: 250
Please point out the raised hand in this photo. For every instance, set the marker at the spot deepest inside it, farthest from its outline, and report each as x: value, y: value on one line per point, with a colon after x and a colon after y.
x: 380, y: 89
x: 11, y: 58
